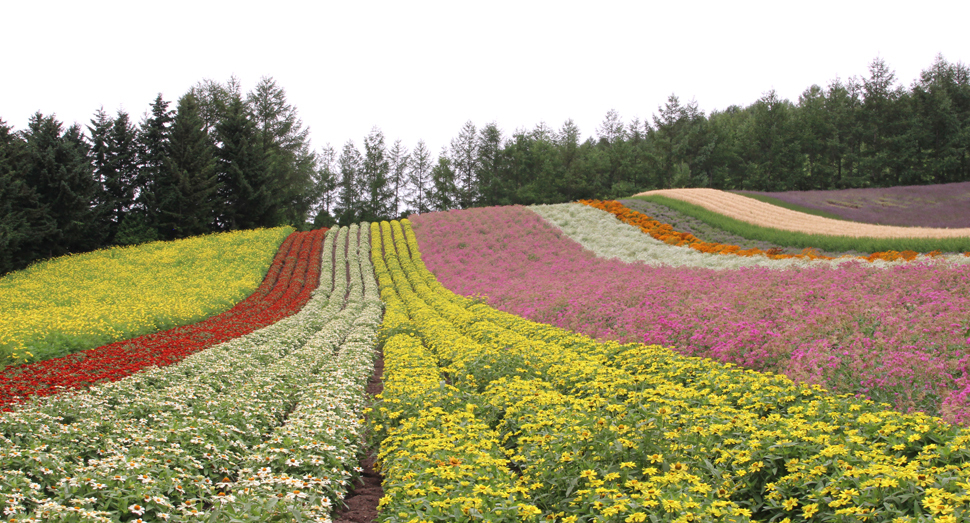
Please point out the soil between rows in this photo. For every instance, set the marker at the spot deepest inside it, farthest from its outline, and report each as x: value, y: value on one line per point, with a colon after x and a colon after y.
x: 363, y: 499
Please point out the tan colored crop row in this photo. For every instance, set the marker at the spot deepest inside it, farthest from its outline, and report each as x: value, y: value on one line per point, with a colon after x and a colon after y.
x: 755, y: 212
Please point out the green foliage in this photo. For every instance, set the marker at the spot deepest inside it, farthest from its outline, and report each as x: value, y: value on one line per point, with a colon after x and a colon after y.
x: 802, y: 240
x: 135, y: 228
x: 186, y: 190
x: 444, y: 192
x: 290, y: 163
x: 868, y: 132
x: 246, y: 189
x: 350, y: 186
x: 375, y: 173
x: 53, y: 164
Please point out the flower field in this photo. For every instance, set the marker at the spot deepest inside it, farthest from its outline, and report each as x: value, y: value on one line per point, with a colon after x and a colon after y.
x: 665, y: 233
x: 893, y: 332
x: 264, y: 427
x: 84, y: 301
x: 572, y: 363
x: 489, y: 416
x: 767, y: 215
x: 620, y: 233
x: 290, y: 280
x: 938, y: 205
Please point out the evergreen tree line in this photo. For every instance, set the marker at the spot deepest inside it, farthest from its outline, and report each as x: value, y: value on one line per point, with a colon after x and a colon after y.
x: 867, y: 132
x: 220, y: 160
x: 217, y: 161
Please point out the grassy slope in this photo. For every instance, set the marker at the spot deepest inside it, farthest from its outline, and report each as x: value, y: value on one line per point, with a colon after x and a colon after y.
x: 818, y: 241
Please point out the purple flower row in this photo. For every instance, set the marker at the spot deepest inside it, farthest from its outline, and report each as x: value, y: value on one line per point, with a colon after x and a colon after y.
x: 942, y: 205
x: 899, y: 334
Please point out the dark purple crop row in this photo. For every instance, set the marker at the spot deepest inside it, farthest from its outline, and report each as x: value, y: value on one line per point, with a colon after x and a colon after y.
x: 944, y: 205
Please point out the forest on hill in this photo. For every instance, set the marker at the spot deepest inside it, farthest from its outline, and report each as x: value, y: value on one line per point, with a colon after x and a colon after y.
x: 221, y: 160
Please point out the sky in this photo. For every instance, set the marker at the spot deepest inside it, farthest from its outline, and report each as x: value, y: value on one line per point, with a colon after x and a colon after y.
x: 420, y: 70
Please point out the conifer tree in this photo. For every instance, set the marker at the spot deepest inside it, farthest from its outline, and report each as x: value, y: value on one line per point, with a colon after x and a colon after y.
x: 246, y: 190
x: 24, y: 222
x: 291, y: 164
x: 154, y: 141
x: 328, y: 181
x: 55, y: 165
x: 464, y: 151
x: 375, y: 173
x: 123, y: 147
x: 488, y: 165
x: 419, y: 179
x: 444, y: 192
x: 398, y: 158
x: 114, y: 151
x: 350, y: 195
x: 186, y: 192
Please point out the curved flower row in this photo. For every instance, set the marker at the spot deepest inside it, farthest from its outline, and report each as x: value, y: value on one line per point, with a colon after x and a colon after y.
x: 897, y: 334
x: 608, y: 237
x: 439, y: 460
x: 665, y: 233
x: 612, y: 235
x: 242, y: 431
x: 293, y: 275
x: 82, y: 301
x: 631, y: 433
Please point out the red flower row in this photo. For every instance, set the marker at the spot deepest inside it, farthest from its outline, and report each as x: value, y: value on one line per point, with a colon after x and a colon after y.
x: 292, y: 277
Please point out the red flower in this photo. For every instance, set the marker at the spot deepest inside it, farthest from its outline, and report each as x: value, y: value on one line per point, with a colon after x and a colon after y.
x: 291, y: 278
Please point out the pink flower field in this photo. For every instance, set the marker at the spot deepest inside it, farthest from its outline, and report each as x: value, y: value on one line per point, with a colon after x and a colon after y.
x: 898, y: 335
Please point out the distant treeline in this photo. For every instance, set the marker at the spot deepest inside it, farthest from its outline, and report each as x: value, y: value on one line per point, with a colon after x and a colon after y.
x: 855, y: 133
x: 223, y: 161
x: 218, y: 161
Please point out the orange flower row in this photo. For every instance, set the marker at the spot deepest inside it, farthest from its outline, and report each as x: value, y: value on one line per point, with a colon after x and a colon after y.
x: 665, y: 233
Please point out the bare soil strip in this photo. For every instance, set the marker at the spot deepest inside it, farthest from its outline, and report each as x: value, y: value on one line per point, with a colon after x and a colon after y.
x: 361, y: 502
x: 752, y: 211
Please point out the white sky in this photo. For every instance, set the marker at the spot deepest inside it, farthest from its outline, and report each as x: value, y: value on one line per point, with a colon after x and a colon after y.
x: 421, y: 69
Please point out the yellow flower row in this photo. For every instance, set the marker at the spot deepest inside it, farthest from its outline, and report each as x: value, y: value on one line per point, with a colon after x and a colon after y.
x: 87, y: 300
x: 440, y: 461
x: 610, y: 432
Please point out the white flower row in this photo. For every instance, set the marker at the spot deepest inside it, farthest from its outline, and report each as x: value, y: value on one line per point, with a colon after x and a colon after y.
x: 306, y: 464
x: 607, y: 237
x: 170, y: 443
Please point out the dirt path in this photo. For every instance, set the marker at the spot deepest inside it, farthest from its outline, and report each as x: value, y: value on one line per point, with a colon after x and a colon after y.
x: 764, y: 214
x: 362, y: 501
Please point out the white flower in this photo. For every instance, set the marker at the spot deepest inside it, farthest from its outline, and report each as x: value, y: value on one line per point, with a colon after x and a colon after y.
x: 136, y: 509
x: 224, y: 498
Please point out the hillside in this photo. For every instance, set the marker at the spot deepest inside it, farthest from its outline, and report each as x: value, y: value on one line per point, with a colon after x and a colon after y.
x: 941, y: 205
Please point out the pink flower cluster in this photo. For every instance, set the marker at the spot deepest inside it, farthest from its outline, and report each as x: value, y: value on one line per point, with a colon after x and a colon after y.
x: 897, y: 335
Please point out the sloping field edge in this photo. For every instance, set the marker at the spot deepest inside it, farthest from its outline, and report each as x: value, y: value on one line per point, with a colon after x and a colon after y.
x: 664, y: 232
x: 292, y: 277
x: 763, y: 214
x: 805, y: 240
x: 649, y: 435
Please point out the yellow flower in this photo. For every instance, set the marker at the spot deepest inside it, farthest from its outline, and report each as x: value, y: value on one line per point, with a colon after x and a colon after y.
x: 809, y: 510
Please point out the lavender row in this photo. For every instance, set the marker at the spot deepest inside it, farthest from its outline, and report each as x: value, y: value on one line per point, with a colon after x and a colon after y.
x: 942, y: 205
